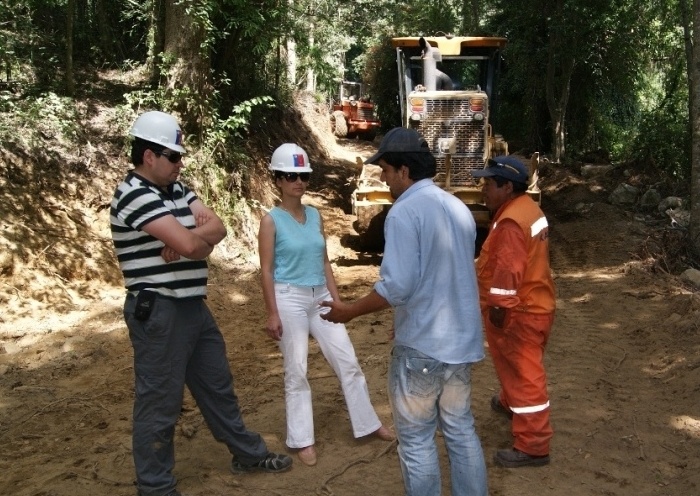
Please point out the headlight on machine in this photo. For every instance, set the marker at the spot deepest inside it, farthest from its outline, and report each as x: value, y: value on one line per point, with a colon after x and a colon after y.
x: 417, y: 104
x: 476, y: 104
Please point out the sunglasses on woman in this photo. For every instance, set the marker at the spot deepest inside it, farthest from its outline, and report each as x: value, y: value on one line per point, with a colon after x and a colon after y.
x: 291, y: 177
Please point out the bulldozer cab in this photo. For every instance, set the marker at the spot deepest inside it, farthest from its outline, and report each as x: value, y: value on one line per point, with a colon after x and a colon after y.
x: 471, y: 64
x: 447, y: 94
x: 350, y: 91
x: 468, y: 66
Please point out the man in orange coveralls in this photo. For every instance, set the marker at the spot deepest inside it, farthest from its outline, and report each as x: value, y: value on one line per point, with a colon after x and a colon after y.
x: 516, y: 293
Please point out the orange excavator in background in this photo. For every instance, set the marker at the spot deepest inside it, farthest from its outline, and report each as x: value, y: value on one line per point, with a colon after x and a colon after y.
x: 353, y: 113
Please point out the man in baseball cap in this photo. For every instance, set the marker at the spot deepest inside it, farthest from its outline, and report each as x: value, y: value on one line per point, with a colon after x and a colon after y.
x: 428, y: 277
x: 400, y: 140
x: 517, y: 300
x: 507, y: 167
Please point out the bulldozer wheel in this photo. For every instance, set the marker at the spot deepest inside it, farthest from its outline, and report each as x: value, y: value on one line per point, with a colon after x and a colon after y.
x: 370, y: 226
x: 340, y: 127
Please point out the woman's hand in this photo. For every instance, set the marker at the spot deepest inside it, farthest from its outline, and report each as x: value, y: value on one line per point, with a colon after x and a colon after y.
x: 273, y: 327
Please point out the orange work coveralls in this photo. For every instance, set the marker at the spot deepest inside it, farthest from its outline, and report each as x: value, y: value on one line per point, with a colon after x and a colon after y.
x: 514, y: 274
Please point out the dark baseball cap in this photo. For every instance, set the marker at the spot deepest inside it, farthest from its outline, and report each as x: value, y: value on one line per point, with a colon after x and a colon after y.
x: 506, y: 166
x: 400, y: 139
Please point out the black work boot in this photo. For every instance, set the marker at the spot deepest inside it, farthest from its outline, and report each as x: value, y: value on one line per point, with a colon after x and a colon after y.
x: 512, y: 458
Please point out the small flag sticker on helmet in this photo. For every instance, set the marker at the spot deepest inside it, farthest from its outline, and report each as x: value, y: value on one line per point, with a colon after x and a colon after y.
x: 298, y: 160
x: 178, y: 137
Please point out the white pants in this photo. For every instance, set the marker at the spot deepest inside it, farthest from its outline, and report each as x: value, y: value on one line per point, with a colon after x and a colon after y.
x: 300, y: 314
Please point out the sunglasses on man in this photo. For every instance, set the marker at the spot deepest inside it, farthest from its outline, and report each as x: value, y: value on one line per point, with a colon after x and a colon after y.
x: 173, y: 157
x: 291, y: 177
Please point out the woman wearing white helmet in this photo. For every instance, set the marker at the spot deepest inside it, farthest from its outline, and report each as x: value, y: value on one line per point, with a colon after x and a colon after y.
x: 296, y: 277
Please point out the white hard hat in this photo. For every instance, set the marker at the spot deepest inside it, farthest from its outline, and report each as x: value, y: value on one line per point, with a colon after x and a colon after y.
x: 290, y: 157
x: 160, y: 128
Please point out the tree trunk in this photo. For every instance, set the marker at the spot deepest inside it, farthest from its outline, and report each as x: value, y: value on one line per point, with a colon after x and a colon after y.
x: 107, y: 45
x: 560, y: 67
x: 291, y: 62
x: 70, y: 76
x: 558, y: 86
x: 470, y: 17
x: 188, y: 67
x: 687, y: 21
x: 291, y: 47
x: 156, y: 41
x: 694, y: 92
x: 310, y: 74
x: 278, y: 64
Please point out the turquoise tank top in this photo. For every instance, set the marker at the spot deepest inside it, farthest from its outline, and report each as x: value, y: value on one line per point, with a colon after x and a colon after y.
x: 299, y: 248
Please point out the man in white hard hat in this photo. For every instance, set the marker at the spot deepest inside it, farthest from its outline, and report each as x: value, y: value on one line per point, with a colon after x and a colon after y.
x: 162, y: 234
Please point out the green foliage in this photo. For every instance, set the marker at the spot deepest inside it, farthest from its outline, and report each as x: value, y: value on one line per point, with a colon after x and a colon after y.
x: 218, y: 186
x: 612, y: 46
x: 147, y: 99
x: 662, y: 137
x: 381, y: 72
x: 627, y: 94
x: 663, y: 143
x: 219, y: 168
x: 17, y: 39
x: 30, y: 121
x: 236, y: 124
x: 216, y: 164
x: 244, y: 56
x: 418, y: 17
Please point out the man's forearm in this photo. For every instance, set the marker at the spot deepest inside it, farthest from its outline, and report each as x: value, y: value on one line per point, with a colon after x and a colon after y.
x: 201, y: 250
x: 341, y: 312
x: 370, y: 303
x: 212, y: 232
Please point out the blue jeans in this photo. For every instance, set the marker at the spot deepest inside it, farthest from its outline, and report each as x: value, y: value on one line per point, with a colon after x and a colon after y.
x: 427, y: 394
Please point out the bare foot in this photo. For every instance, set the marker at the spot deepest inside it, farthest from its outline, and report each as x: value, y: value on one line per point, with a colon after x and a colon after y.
x: 307, y: 455
x: 385, y: 434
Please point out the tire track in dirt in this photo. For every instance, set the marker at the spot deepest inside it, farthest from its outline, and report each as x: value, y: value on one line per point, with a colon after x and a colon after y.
x: 613, y: 431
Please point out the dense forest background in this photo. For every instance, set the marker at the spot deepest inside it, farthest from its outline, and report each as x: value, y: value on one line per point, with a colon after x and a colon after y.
x: 604, y: 80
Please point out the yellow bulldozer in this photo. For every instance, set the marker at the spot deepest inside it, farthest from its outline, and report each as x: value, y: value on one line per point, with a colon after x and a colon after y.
x: 447, y: 93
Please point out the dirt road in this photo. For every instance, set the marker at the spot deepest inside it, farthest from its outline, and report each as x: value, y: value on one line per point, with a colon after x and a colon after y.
x: 623, y: 364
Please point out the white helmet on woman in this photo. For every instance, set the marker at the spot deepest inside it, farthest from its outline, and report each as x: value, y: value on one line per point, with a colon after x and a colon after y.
x: 290, y: 157
x: 160, y: 128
